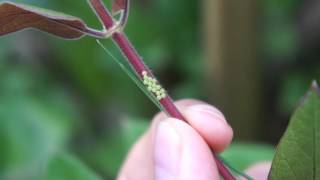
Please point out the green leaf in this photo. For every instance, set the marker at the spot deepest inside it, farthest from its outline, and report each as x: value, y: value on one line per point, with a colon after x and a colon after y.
x: 298, y: 153
x: 15, y: 17
x: 63, y: 166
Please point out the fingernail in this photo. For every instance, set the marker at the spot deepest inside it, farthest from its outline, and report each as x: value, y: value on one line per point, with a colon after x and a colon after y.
x: 167, y: 152
x: 207, y: 112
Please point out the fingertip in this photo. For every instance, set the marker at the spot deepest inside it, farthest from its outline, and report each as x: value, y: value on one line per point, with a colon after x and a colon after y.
x: 211, y: 124
x: 210, y: 110
x: 180, y: 104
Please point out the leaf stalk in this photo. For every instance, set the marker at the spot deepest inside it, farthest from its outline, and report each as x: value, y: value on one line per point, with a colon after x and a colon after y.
x: 139, y: 67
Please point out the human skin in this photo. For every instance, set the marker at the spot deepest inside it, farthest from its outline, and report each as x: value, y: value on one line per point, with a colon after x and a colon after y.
x: 174, y: 150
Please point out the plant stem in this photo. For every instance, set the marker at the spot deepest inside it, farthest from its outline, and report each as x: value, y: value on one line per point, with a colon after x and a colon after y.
x: 138, y: 65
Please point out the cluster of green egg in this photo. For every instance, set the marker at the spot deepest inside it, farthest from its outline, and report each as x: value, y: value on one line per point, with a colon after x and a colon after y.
x: 153, y: 86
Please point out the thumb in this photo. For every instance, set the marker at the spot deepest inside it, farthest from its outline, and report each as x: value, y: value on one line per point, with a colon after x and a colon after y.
x: 181, y: 153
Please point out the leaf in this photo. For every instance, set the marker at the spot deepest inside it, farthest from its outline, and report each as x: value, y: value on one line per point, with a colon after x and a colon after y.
x: 119, y: 5
x: 298, y: 153
x: 15, y: 17
x: 64, y: 166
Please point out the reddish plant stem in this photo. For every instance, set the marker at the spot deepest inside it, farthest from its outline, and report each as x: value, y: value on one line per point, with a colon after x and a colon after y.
x: 138, y: 65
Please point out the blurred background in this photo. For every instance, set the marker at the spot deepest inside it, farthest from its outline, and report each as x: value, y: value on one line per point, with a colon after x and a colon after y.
x: 253, y: 60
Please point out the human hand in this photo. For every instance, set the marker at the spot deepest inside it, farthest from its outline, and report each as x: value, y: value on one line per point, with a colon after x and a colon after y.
x: 174, y: 150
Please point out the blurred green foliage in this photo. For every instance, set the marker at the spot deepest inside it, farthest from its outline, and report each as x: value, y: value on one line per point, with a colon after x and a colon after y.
x: 243, y: 155
x: 61, y: 96
x: 286, y: 56
x: 64, y: 167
